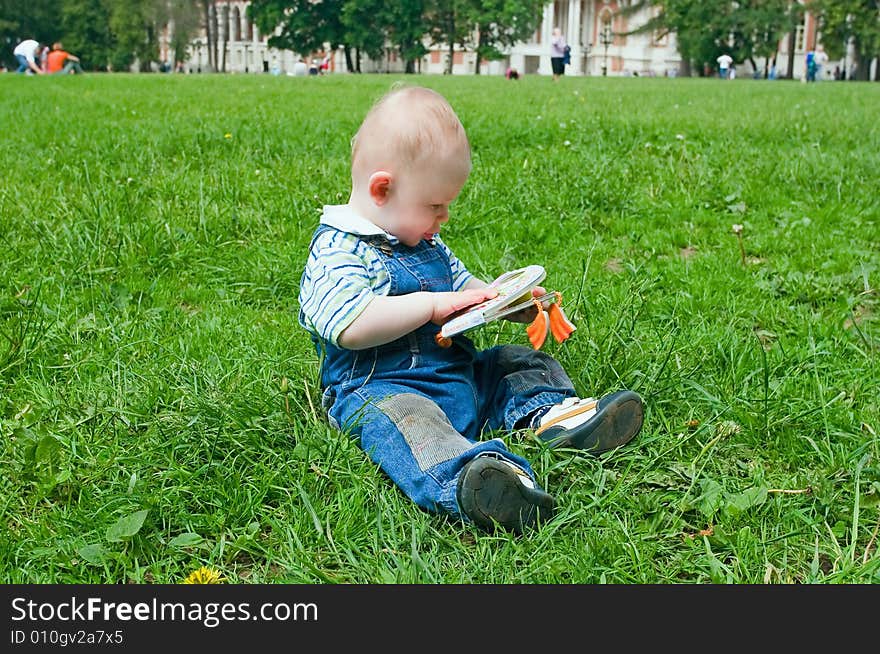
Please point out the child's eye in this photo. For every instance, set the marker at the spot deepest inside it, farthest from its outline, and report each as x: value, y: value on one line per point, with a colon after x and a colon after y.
x: 436, y: 207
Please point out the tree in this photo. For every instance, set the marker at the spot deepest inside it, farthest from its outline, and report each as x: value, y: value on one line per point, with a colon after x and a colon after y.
x: 850, y: 22
x: 86, y: 32
x: 133, y: 24
x: 447, y: 24
x: 697, y: 26
x: 706, y: 28
x: 756, y: 29
x: 35, y: 19
x: 501, y: 23
x: 184, y: 15
x: 366, y: 29
x: 406, y: 30
x: 306, y: 25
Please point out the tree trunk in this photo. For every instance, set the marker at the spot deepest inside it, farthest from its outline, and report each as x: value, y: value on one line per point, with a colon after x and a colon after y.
x: 863, y: 66
x: 347, y: 52
x: 479, y: 49
x: 792, y: 36
x: 684, y: 67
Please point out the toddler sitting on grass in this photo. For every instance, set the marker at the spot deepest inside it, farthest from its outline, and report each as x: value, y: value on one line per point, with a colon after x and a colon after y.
x: 379, y: 280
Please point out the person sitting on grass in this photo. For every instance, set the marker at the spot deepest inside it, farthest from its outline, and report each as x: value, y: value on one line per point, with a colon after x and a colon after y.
x: 61, y: 62
x: 379, y: 280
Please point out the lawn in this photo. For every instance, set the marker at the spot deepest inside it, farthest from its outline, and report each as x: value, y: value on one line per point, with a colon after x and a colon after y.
x: 159, y: 404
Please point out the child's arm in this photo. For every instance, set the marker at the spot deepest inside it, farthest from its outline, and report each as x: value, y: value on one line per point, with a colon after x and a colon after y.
x: 389, y: 317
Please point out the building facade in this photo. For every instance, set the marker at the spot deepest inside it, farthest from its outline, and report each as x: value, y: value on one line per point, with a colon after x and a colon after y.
x: 600, y: 38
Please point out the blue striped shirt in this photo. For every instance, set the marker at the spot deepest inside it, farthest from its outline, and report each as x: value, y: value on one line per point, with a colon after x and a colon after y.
x: 344, y: 273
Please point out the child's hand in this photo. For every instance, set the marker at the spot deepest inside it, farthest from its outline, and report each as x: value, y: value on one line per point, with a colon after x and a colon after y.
x: 530, y: 312
x: 447, y: 304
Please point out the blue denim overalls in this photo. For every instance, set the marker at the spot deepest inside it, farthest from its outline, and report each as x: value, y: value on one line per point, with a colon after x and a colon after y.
x: 419, y: 409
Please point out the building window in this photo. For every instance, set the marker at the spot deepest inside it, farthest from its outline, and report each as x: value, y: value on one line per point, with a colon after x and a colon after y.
x: 799, y: 39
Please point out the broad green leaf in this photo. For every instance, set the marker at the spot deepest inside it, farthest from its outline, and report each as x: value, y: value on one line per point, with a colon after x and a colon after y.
x: 95, y: 553
x: 711, y: 498
x: 48, y: 452
x: 741, y: 502
x: 186, y: 539
x: 127, y: 526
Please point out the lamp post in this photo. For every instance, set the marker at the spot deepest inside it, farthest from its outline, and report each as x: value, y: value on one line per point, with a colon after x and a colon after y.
x: 246, y: 57
x: 606, y: 38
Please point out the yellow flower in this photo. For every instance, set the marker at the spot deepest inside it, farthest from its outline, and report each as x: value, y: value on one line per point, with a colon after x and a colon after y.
x: 204, y: 576
x: 227, y: 135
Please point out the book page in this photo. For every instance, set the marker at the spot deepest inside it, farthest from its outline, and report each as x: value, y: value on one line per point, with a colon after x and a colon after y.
x: 511, y: 286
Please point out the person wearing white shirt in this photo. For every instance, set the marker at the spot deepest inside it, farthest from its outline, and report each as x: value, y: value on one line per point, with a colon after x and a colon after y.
x: 724, y: 62
x: 26, y: 53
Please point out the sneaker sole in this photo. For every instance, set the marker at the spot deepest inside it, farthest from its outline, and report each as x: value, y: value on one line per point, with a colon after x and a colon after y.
x: 618, y: 419
x: 490, y: 493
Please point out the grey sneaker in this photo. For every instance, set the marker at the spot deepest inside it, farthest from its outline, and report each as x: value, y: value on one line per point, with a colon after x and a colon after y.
x: 494, y: 491
x: 593, y: 425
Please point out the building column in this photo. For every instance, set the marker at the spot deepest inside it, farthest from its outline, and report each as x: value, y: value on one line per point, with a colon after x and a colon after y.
x: 574, y: 38
x: 544, y: 67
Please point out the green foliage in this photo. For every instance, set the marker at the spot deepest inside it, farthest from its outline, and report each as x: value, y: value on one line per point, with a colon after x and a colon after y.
x: 855, y: 22
x: 305, y: 25
x: 159, y: 404
x: 705, y: 30
x: 87, y: 32
x: 501, y: 23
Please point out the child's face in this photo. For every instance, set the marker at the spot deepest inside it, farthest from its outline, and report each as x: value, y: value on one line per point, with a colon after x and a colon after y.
x: 418, y: 203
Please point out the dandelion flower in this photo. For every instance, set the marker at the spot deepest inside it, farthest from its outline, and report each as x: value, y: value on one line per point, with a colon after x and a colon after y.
x: 204, y: 576
x: 227, y: 135
x: 680, y: 137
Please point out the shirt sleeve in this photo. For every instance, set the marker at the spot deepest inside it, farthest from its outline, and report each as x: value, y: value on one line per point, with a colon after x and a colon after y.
x: 460, y: 274
x: 335, y: 289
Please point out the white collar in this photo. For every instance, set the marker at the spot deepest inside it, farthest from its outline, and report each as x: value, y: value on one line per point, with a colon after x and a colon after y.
x: 343, y: 217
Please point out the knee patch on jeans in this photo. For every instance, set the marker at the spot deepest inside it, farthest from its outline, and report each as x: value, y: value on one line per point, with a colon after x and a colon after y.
x: 426, y: 429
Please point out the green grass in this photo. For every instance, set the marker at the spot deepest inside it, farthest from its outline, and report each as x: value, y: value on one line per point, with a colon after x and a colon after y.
x: 159, y: 407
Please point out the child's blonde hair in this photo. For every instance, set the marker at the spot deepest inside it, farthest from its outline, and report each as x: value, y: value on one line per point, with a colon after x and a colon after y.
x: 406, y: 127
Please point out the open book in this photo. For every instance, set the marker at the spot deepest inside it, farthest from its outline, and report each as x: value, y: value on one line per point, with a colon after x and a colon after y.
x: 514, y: 294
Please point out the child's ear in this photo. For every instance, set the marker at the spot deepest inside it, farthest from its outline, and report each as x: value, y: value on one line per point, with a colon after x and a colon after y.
x: 380, y: 186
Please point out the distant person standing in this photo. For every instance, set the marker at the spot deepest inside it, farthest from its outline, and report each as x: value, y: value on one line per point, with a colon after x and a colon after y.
x: 724, y: 62
x: 811, y: 66
x: 26, y: 54
x: 820, y: 60
x: 60, y: 62
x: 557, y: 53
